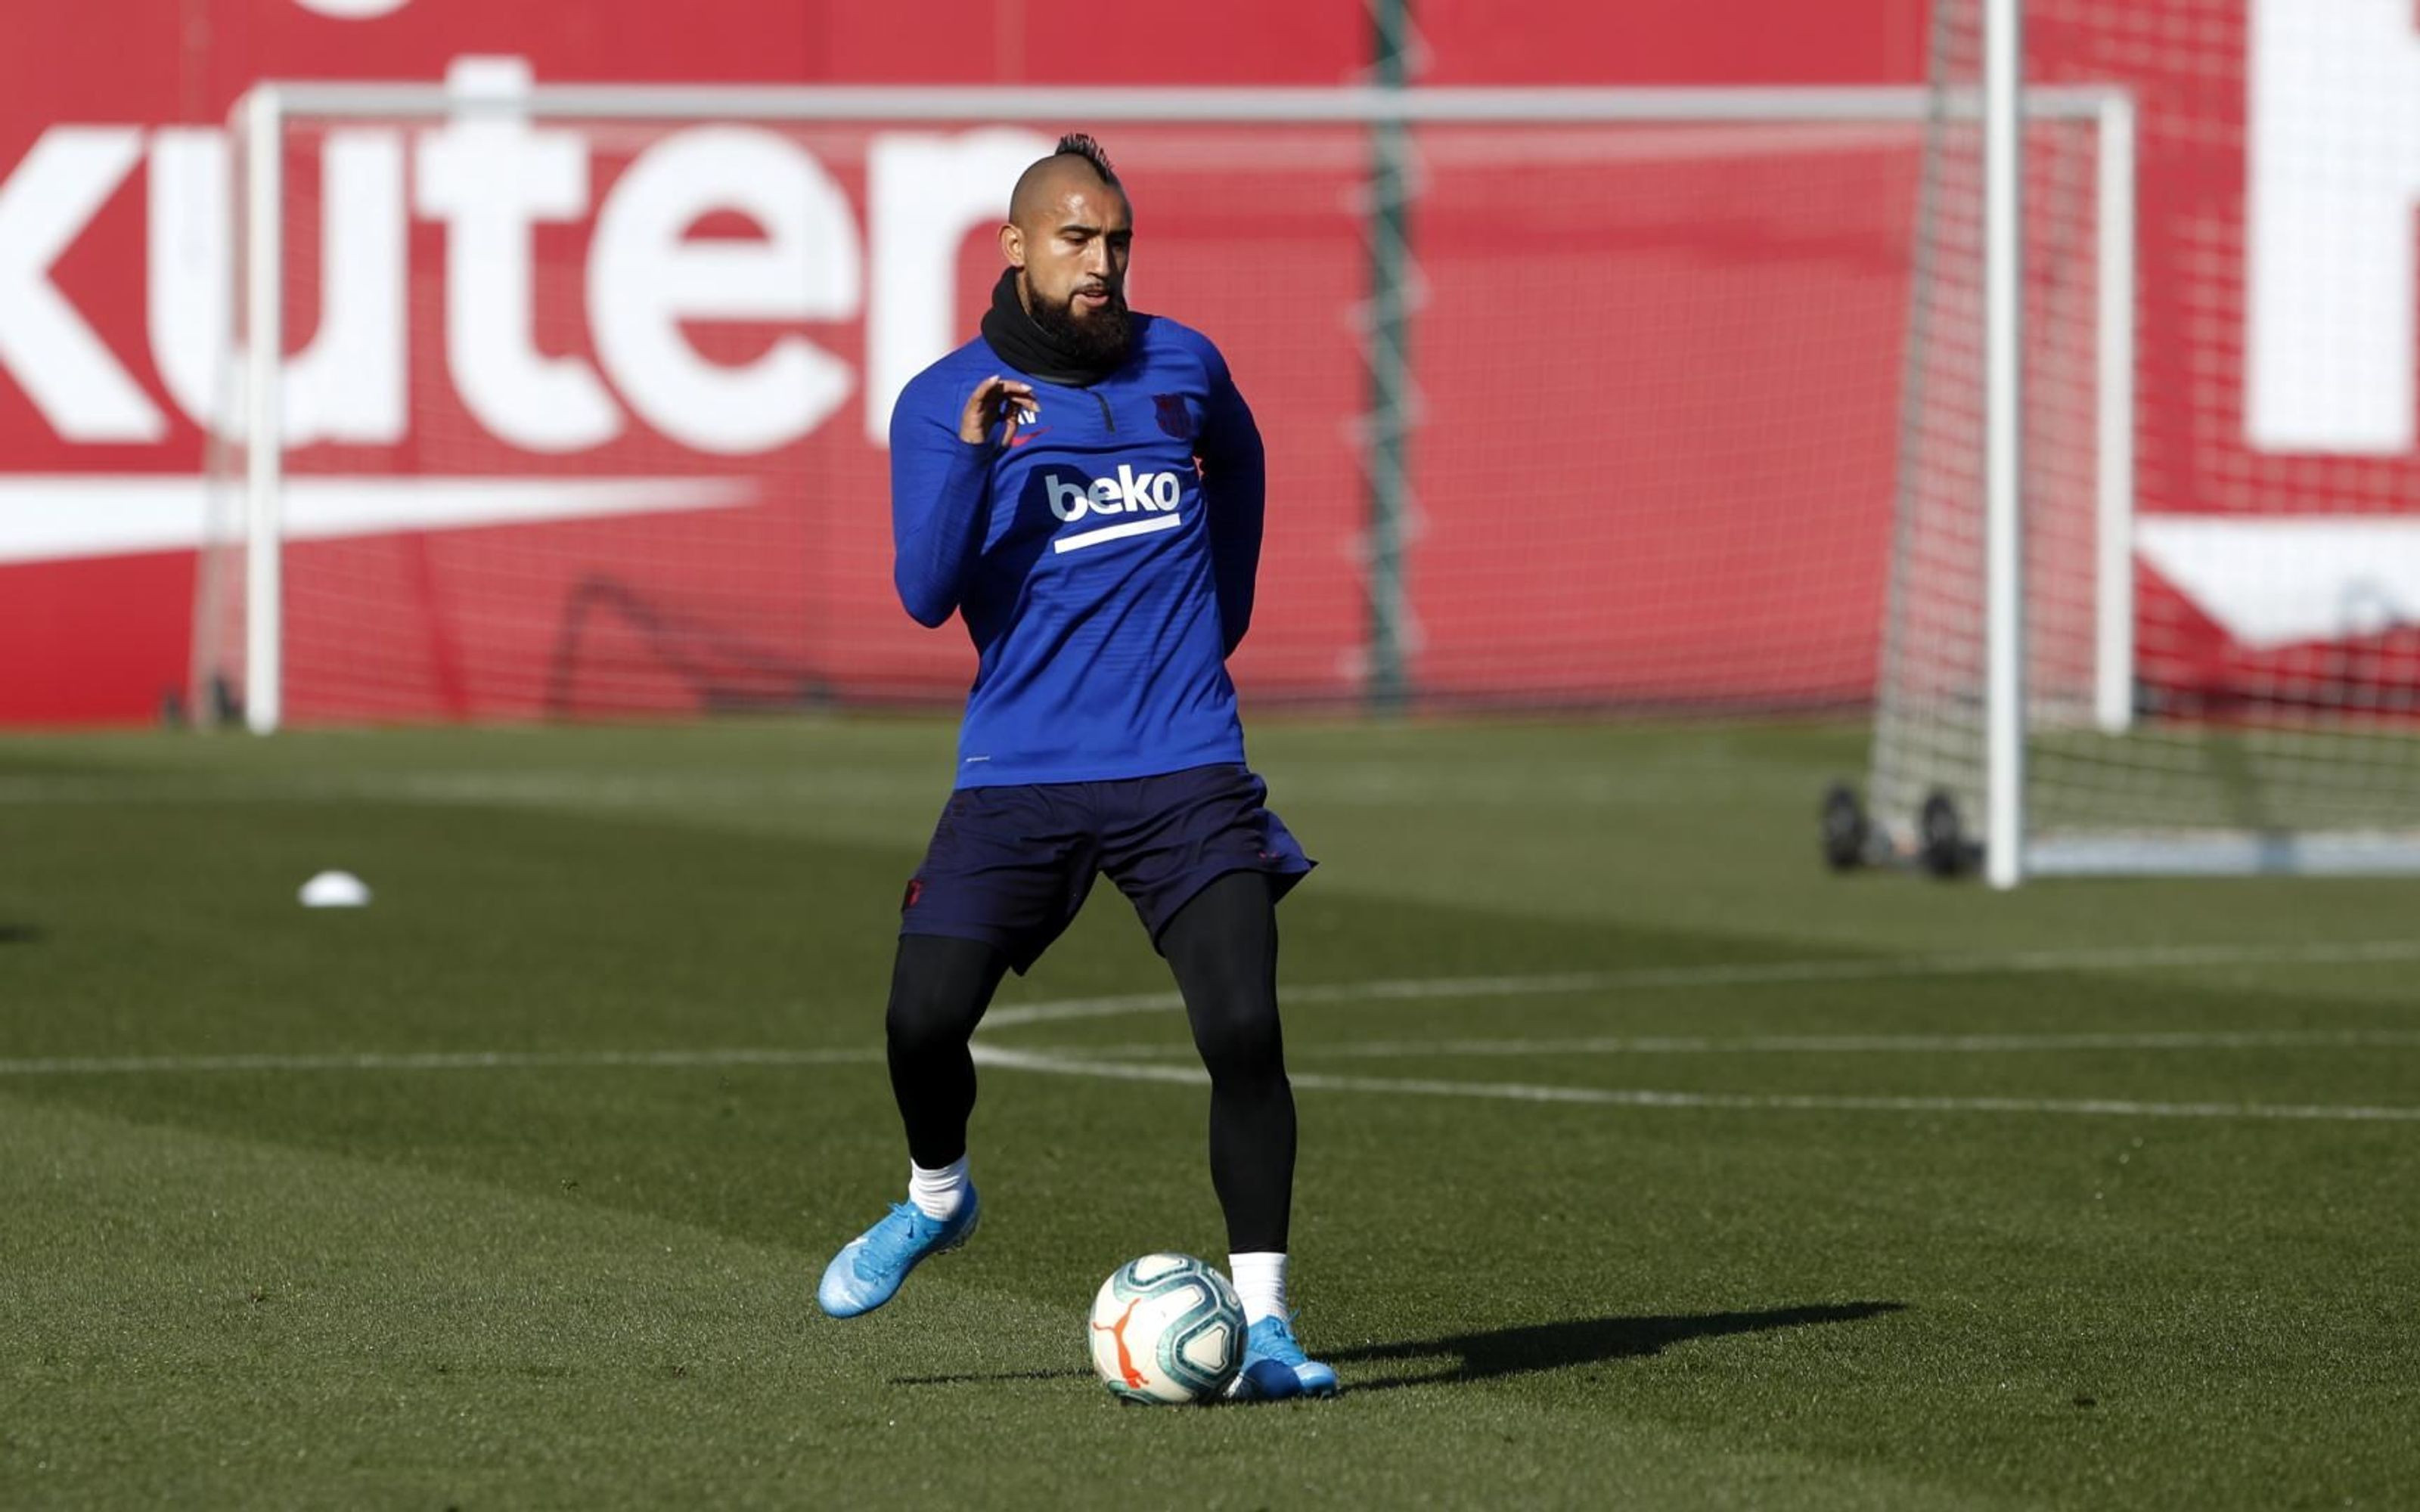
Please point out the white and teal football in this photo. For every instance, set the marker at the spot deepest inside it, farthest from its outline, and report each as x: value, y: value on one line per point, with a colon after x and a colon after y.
x: 1166, y: 1328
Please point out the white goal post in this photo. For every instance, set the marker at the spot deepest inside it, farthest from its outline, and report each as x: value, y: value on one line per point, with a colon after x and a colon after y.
x: 2104, y: 117
x: 2272, y: 724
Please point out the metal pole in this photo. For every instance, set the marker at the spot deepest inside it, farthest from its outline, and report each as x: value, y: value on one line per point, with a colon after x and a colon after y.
x: 264, y: 332
x: 2003, y: 440
x: 2114, y: 580
x: 923, y: 104
x: 1388, y: 686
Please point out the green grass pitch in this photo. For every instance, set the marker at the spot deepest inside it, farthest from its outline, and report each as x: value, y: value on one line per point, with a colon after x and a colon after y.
x: 1644, y: 1163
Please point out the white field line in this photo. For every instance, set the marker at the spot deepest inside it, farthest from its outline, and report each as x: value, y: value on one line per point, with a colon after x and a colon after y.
x: 994, y: 1056
x: 535, y: 787
x: 1767, y: 973
x: 1862, y: 1045
x: 1005, y: 1059
x: 1439, y: 988
x: 434, y: 1060
x: 1382, y: 1050
x: 1642, y: 1098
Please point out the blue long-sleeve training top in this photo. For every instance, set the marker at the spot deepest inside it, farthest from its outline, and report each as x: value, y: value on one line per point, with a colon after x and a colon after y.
x: 1103, y: 559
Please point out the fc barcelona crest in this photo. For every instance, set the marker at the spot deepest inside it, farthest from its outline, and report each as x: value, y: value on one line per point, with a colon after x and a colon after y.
x: 1174, y: 418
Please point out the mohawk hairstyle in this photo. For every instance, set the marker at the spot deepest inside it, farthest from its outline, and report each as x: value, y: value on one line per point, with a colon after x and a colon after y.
x: 1080, y: 144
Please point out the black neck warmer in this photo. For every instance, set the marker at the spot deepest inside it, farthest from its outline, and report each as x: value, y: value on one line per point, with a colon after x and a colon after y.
x: 1030, y: 348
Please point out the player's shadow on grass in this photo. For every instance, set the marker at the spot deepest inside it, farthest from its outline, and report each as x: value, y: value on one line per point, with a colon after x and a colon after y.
x: 20, y: 934
x: 1529, y: 1350
x: 1534, y: 1348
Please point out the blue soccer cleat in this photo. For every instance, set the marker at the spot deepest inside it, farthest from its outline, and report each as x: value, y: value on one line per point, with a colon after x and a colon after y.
x: 1274, y: 1368
x: 868, y: 1270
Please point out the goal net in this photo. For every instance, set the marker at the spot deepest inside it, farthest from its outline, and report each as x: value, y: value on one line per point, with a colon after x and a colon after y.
x: 570, y: 400
x: 2221, y: 608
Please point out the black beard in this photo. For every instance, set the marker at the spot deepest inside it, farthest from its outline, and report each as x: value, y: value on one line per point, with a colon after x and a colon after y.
x: 1096, y: 340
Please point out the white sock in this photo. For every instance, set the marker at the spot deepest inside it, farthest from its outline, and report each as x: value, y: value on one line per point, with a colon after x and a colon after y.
x: 1260, y: 1281
x: 937, y: 1193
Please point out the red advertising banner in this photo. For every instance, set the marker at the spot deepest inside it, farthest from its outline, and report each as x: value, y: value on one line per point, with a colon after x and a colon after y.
x: 589, y: 415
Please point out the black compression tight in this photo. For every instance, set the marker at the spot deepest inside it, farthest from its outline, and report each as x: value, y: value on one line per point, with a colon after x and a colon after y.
x: 1222, y: 948
x: 940, y: 987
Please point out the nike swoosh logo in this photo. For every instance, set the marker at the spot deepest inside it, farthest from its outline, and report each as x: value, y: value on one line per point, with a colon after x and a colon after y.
x: 1023, y: 435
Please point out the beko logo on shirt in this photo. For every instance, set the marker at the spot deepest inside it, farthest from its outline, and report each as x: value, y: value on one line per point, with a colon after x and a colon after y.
x: 1127, y: 493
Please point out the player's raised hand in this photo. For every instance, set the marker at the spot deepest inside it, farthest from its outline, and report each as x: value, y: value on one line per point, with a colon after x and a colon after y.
x: 998, y: 401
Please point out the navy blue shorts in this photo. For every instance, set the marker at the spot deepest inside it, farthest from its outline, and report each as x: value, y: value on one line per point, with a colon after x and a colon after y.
x: 1010, y: 866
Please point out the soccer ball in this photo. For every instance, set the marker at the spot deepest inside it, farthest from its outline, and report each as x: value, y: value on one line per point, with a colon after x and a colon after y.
x: 1166, y: 1328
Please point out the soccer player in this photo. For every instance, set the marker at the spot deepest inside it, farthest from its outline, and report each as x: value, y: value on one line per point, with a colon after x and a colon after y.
x: 1083, y: 484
